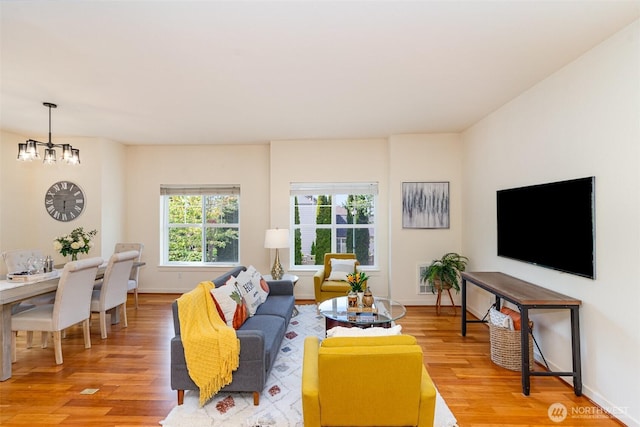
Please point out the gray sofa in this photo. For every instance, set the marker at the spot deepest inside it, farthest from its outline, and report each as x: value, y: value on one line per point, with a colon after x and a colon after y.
x: 260, y: 339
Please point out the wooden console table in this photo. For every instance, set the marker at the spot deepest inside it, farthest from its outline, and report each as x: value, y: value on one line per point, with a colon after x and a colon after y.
x: 527, y: 296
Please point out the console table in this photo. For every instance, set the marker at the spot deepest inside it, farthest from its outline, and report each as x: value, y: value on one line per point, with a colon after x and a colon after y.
x: 527, y: 296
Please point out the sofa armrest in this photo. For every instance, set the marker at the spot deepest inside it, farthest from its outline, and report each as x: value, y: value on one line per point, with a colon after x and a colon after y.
x: 280, y: 287
x: 318, y: 278
x: 176, y: 319
x: 310, y: 383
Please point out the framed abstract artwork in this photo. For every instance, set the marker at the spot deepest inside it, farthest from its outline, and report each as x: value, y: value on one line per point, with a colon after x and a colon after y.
x: 425, y: 205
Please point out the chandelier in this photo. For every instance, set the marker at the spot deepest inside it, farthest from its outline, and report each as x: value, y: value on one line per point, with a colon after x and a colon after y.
x: 28, y: 151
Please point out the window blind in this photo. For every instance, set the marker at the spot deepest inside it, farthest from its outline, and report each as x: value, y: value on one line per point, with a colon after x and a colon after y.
x: 308, y: 188
x: 198, y: 190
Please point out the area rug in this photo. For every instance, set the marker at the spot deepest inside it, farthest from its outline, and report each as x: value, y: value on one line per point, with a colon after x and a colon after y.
x: 280, y: 402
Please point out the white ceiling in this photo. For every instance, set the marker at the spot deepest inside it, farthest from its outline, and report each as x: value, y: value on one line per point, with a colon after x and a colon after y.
x: 214, y: 72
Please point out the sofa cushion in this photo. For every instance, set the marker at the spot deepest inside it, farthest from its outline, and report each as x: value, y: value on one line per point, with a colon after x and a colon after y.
x: 277, y: 305
x: 273, y: 328
x: 340, y: 268
x: 335, y: 286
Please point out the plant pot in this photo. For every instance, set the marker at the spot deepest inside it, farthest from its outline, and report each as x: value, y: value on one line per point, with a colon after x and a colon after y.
x: 438, y: 285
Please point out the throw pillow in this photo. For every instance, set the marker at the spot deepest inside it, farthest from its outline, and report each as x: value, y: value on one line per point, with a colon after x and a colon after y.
x: 341, y: 331
x: 340, y: 268
x: 259, y: 282
x: 249, y: 292
x: 500, y: 319
x: 230, y: 305
x: 515, y: 317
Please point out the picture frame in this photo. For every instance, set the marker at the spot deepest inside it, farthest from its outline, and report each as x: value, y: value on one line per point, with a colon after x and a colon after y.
x: 425, y: 205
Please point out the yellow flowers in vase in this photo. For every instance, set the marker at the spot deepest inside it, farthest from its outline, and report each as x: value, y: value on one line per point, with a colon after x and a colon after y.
x: 357, y: 281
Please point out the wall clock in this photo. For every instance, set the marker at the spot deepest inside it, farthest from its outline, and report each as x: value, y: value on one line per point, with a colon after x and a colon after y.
x: 64, y: 201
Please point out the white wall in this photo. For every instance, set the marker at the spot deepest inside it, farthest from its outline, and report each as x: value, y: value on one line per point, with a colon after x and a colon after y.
x: 147, y: 167
x: 583, y: 120
x: 25, y: 222
x: 422, y: 158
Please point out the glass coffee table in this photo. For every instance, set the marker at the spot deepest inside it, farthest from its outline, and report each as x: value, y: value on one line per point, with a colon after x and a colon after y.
x: 384, y: 311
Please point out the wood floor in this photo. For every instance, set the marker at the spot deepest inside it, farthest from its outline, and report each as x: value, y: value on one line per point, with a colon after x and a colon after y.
x: 130, y: 370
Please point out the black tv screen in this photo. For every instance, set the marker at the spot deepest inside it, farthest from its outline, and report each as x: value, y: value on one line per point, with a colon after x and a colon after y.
x: 551, y: 225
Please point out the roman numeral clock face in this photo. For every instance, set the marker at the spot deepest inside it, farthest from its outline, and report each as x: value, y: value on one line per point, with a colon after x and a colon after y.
x: 64, y: 201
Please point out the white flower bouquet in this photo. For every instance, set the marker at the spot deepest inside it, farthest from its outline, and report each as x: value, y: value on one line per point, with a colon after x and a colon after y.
x: 78, y: 241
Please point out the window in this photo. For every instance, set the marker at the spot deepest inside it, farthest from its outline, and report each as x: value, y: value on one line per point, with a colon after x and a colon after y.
x: 333, y: 217
x: 200, y: 224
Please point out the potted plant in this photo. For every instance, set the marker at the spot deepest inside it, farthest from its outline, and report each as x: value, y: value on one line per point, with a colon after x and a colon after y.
x: 444, y: 273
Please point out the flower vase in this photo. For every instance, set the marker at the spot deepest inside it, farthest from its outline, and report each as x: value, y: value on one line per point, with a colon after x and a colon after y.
x: 352, y: 299
x: 360, y: 295
x: 367, y: 299
x: 74, y: 257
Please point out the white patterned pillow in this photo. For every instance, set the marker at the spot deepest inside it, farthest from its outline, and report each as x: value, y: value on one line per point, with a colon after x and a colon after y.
x: 249, y: 291
x: 340, y: 268
x: 230, y: 305
x: 259, y: 282
x: 500, y: 319
x: 341, y: 331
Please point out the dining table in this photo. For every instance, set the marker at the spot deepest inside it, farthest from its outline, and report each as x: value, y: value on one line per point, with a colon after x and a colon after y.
x: 13, y: 292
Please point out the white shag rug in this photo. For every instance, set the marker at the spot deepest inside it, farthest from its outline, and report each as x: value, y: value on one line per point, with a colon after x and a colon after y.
x: 280, y: 401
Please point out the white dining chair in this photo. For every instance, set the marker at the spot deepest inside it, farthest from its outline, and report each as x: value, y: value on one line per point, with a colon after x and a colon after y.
x: 132, y: 285
x: 113, y: 292
x: 71, y: 306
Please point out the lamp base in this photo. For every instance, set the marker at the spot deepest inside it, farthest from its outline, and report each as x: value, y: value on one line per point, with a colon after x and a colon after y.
x: 276, y: 271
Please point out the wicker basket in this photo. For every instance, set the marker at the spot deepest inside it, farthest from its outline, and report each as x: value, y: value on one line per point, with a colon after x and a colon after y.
x: 505, y: 348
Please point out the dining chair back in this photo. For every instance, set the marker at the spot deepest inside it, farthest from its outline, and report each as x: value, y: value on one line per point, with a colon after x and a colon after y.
x: 71, y: 306
x: 113, y: 292
x: 18, y: 259
x: 133, y: 276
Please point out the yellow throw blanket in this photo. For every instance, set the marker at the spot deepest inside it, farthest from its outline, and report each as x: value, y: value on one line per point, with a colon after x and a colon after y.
x: 211, y: 348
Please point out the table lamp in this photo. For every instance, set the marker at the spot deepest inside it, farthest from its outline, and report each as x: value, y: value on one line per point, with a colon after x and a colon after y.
x: 276, y: 238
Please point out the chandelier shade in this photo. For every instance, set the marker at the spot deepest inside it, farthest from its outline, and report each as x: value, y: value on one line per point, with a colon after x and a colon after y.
x: 28, y: 150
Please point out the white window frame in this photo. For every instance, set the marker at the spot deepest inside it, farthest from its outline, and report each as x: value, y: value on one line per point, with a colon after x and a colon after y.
x: 167, y: 190
x: 332, y: 189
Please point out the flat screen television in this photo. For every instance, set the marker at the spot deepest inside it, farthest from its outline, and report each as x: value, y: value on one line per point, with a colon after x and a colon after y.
x: 551, y: 225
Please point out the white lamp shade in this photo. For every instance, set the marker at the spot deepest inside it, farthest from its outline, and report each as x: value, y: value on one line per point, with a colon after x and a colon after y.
x: 276, y: 238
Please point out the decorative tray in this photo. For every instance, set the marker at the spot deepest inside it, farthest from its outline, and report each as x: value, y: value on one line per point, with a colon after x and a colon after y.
x: 358, y: 310
x: 26, y: 277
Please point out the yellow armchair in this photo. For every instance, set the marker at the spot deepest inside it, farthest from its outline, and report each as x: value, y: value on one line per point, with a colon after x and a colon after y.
x: 366, y: 381
x: 324, y: 288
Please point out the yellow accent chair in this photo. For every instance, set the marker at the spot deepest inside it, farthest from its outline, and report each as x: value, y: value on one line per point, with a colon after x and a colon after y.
x: 366, y: 381
x: 326, y: 288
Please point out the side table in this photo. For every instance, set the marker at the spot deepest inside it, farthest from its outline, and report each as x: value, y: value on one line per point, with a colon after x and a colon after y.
x: 293, y: 279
